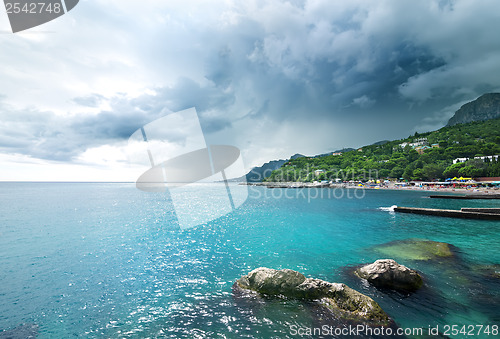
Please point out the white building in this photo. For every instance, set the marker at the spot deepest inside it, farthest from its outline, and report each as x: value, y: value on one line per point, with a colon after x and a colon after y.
x: 490, y: 157
x: 460, y: 160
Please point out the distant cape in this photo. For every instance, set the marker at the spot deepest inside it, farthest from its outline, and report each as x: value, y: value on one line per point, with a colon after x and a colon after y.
x: 257, y: 174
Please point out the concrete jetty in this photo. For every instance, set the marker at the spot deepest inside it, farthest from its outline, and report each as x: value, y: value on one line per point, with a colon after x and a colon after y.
x: 463, y: 214
x: 468, y: 196
x: 481, y: 210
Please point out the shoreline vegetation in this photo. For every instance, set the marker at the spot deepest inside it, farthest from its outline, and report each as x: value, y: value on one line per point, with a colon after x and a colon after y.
x: 470, y: 150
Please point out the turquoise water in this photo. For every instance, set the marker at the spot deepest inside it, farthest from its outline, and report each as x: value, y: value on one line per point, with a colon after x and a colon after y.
x: 107, y: 260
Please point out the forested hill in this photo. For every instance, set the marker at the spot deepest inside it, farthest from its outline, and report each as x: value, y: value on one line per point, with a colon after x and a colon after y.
x: 424, y: 156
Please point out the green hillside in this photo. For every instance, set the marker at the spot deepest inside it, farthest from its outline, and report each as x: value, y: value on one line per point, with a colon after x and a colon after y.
x: 393, y: 160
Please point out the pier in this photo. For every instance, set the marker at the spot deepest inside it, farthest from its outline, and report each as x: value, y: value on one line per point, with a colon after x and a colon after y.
x: 464, y: 213
x: 482, y: 210
x: 468, y: 196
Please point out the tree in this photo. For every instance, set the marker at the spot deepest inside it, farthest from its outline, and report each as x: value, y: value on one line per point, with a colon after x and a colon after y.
x: 384, y: 173
x: 412, y: 155
x: 452, y: 171
x: 432, y: 171
x: 408, y: 173
x: 396, y: 172
x: 418, y: 174
x: 470, y: 171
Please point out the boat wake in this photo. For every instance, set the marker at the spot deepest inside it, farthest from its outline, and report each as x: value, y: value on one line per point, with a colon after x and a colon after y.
x: 388, y: 209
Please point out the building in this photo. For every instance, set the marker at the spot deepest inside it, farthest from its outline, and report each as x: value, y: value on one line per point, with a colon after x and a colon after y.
x: 435, y: 145
x: 460, y: 160
x: 318, y: 172
x: 421, y: 149
x: 489, y: 157
x: 416, y: 143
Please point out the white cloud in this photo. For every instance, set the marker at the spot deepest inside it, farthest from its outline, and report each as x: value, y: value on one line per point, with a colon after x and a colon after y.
x: 363, y: 101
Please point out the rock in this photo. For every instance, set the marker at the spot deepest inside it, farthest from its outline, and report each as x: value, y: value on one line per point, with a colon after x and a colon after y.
x: 486, y: 107
x: 416, y: 249
x: 339, y: 298
x: 389, y: 274
x: 25, y: 331
x: 491, y: 271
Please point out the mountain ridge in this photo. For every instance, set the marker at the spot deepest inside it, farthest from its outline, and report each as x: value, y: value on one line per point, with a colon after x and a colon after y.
x: 485, y: 107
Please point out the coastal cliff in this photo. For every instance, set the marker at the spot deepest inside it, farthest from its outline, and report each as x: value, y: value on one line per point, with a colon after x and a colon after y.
x: 486, y: 107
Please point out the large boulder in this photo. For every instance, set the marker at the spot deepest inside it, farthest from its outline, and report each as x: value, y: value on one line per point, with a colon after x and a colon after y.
x: 339, y: 298
x: 389, y: 274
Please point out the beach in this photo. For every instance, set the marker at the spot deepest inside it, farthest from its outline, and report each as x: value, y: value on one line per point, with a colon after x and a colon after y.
x: 386, y: 186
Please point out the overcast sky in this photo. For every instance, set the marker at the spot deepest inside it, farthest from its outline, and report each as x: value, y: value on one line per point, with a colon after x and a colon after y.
x: 272, y: 77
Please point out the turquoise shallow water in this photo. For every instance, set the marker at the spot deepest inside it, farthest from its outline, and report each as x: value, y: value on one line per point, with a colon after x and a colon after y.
x: 107, y: 260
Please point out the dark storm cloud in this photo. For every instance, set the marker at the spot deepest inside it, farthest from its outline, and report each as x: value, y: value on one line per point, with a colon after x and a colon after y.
x: 44, y: 135
x: 187, y: 93
x: 39, y: 134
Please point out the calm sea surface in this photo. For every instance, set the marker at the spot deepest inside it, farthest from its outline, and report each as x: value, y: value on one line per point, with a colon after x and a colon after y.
x: 107, y: 260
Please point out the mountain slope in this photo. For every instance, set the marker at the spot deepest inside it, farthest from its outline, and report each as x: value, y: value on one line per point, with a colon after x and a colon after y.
x: 424, y: 156
x: 486, y: 107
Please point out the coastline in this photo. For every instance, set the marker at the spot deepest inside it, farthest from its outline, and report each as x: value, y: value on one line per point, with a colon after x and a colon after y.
x: 391, y: 186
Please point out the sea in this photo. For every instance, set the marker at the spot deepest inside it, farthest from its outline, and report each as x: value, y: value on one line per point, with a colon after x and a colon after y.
x: 106, y: 260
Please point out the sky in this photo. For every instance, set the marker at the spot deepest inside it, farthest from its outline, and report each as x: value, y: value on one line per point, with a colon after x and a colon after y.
x: 273, y: 78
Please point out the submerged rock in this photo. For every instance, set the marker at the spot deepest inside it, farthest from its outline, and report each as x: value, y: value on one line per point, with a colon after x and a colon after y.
x: 489, y: 271
x: 339, y: 298
x: 24, y: 331
x: 389, y: 274
x: 492, y: 271
x: 416, y: 249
